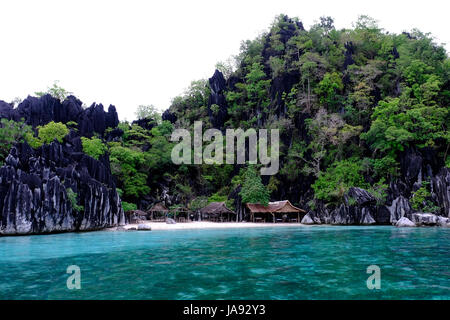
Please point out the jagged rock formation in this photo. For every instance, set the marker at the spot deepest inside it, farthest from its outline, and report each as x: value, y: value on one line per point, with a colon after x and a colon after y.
x: 56, y: 187
x: 40, y: 111
x: 169, y: 116
x: 217, y: 99
x: 359, y: 208
x: 34, y: 191
x: 441, y: 190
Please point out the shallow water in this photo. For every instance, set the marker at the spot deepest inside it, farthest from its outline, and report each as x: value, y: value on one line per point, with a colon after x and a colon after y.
x: 263, y: 263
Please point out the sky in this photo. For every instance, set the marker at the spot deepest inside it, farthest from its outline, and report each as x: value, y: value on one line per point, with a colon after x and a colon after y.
x: 129, y: 53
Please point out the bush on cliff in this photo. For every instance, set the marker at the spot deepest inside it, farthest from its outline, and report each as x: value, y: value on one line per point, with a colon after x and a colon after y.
x: 93, y: 147
x: 11, y: 132
x: 47, y: 134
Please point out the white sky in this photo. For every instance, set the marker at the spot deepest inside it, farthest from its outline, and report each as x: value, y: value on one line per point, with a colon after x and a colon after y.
x: 130, y: 52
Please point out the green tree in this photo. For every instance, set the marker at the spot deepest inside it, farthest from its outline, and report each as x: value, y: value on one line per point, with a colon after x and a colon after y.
x: 253, y: 190
x: 148, y: 112
x: 47, y: 134
x: 93, y: 147
x: 332, y: 185
x: 55, y: 91
x: 127, y: 206
x: 421, y: 199
x: 11, y: 132
x: 126, y: 165
x: 329, y: 90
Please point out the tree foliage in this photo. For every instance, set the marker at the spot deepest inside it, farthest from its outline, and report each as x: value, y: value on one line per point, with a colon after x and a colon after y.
x: 11, y: 132
x: 253, y: 190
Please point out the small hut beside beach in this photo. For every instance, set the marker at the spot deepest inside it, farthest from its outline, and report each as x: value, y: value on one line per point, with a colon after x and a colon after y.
x: 158, y: 212
x: 180, y: 214
x: 279, y: 211
x: 217, y: 211
x: 135, y: 216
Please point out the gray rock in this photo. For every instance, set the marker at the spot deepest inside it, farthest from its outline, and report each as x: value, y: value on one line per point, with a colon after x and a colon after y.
x: 361, y: 196
x: 441, y: 190
x: 399, y: 208
x: 443, y: 221
x: 34, y: 193
x: 307, y: 219
x: 170, y: 221
x: 366, y: 217
x: 425, y: 219
x: 405, y: 222
x: 144, y: 227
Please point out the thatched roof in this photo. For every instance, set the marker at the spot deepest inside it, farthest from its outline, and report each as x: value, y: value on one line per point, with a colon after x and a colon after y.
x: 137, y: 212
x: 277, y: 206
x: 159, y: 207
x: 216, y: 208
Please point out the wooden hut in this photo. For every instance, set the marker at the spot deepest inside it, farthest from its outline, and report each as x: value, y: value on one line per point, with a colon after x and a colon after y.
x: 180, y: 214
x: 158, y: 212
x: 279, y: 211
x: 136, y: 216
x: 217, y: 211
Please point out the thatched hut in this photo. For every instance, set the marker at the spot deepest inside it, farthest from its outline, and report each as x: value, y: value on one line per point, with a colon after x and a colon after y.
x: 135, y: 216
x: 279, y: 211
x: 158, y: 212
x: 217, y: 211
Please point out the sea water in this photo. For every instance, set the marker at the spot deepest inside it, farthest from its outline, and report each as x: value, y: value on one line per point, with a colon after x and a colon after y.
x: 319, y: 262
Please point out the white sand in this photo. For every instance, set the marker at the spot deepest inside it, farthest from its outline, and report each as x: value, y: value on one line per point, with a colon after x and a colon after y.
x: 210, y: 225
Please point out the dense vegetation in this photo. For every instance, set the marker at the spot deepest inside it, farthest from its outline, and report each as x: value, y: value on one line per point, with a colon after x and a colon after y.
x: 347, y: 102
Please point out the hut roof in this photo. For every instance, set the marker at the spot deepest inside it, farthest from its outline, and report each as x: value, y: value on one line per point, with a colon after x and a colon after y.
x: 137, y: 212
x: 217, y: 208
x: 159, y: 207
x: 277, y: 206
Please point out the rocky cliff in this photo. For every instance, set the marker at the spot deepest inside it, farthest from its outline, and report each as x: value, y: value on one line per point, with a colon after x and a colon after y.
x: 56, y: 187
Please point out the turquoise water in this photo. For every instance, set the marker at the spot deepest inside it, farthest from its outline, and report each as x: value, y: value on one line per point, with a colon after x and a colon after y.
x: 267, y: 263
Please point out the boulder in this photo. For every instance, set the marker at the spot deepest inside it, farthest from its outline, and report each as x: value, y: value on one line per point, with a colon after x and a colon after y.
x: 443, y: 221
x: 424, y: 219
x: 307, y: 219
x: 404, y: 222
x: 170, y: 221
x: 144, y: 227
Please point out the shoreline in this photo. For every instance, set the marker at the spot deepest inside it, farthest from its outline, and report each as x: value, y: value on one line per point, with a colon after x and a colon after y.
x: 204, y: 225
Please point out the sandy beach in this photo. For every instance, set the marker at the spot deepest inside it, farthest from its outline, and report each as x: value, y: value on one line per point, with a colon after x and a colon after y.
x: 209, y: 225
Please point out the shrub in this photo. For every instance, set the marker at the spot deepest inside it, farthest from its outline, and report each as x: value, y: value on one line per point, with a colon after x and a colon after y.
x: 338, y: 178
x: 72, y: 196
x: 93, y: 147
x: 420, y: 200
x: 47, y: 134
x: 127, y: 206
x: 10, y: 133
